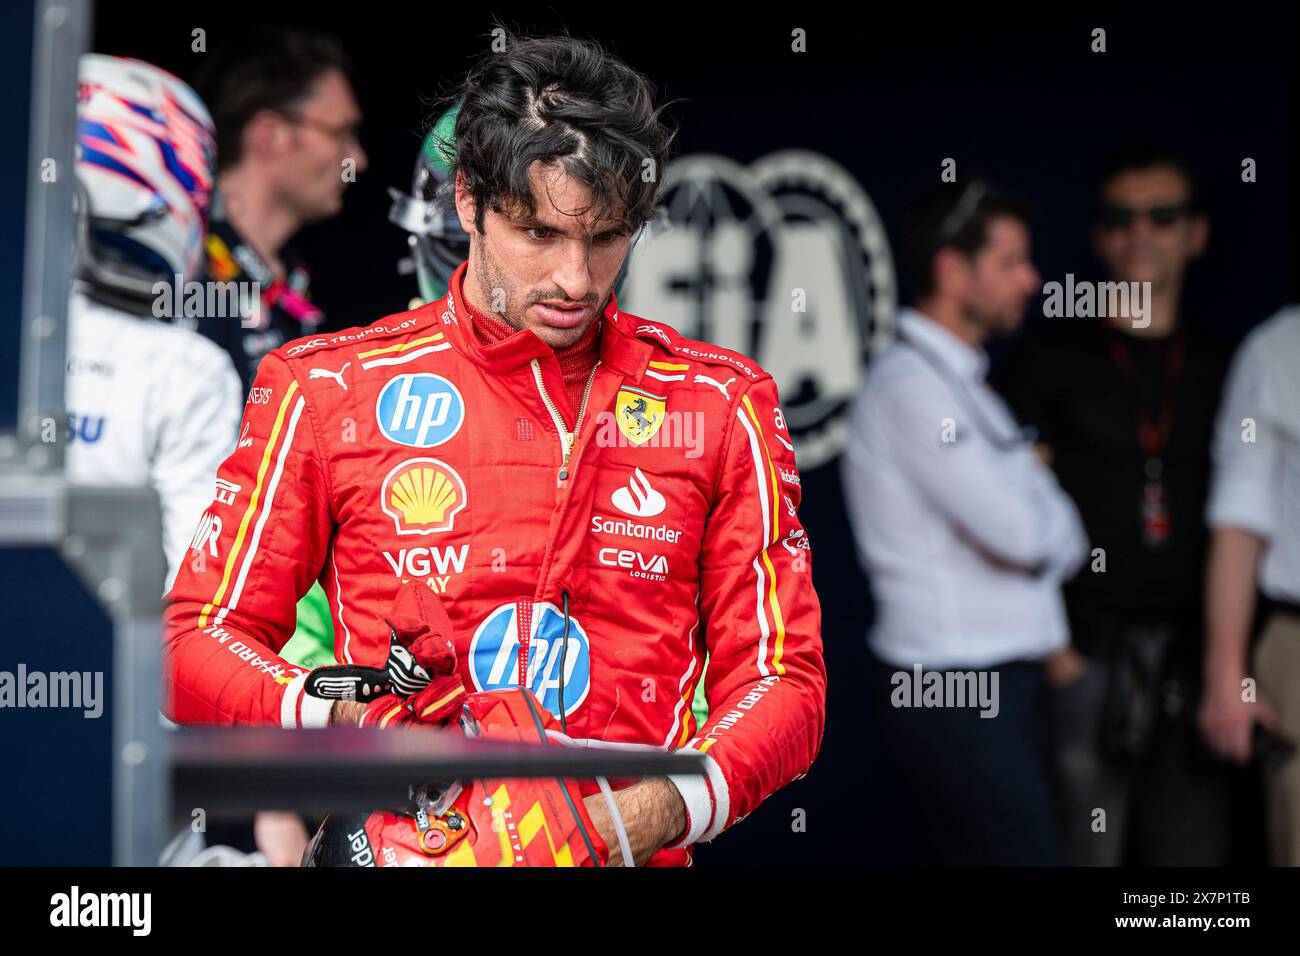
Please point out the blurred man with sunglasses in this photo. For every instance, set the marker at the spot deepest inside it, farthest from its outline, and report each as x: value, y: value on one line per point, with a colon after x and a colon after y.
x: 1124, y: 405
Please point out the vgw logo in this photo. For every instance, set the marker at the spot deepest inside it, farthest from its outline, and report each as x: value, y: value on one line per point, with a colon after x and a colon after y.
x: 494, y: 656
x: 421, y: 410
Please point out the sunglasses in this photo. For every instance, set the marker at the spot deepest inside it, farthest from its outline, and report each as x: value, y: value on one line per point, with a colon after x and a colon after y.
x: 1121, y: 217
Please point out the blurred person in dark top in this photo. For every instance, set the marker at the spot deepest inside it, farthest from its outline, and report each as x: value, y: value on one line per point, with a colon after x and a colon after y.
x: 1124, y: 406
x: 287, y: 148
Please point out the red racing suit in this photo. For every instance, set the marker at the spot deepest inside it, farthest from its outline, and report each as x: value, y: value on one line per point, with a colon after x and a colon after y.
x: 665, y: 526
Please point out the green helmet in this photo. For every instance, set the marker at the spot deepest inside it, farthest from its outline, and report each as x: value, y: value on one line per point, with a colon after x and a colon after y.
x: 428, y: 212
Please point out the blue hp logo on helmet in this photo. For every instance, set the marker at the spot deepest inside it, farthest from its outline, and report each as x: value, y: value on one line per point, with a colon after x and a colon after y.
x: 494, y: 656
x: 420, y: 410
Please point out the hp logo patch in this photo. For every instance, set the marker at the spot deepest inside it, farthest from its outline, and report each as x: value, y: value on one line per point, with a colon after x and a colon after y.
x: 421, y: 410
x: 494, y: 656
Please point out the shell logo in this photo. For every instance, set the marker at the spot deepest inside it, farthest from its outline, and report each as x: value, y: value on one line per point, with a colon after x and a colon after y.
x: 423, y: 496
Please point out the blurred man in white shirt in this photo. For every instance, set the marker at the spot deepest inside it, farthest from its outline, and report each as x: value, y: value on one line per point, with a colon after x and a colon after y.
x: 1254, y: 516
x: 965, y: 537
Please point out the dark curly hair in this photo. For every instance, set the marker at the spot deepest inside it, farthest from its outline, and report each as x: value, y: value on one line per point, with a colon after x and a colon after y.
x: 566, y: 102
x: 1141, y: 155
x: 265, y: 68
x: 953, y: 215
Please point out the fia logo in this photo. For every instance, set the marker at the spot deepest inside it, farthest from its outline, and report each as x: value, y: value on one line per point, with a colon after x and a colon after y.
x: 786, y: 261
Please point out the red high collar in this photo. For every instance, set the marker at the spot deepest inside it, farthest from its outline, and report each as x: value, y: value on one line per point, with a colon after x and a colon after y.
x: 620, y: 351
x: 576, y: 361
x: 492, y: 329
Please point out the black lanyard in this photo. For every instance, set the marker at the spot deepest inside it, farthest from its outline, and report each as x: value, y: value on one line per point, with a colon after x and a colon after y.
x: 1152, y: 433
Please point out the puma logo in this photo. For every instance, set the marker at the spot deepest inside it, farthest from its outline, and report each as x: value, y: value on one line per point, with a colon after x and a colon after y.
x: 720, y: 386
x: 326, y: 373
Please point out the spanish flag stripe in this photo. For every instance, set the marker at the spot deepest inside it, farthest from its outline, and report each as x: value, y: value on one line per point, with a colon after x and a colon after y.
x: 402, y: 347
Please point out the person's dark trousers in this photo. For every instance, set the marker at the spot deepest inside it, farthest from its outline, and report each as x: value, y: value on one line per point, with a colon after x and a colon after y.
x: 978, y: 787
x: 1135, y: 784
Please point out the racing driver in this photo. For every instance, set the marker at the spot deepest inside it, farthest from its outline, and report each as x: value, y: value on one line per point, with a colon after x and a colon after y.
x: 599, y: 502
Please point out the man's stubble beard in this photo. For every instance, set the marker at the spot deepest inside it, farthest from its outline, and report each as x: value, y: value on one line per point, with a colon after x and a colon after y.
x: 307, y: 209
x: 328, y: 204
x: 492, y: 277
x: 998, y: 323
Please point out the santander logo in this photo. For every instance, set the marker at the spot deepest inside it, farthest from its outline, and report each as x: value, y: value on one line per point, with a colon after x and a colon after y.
x: 637, y: 498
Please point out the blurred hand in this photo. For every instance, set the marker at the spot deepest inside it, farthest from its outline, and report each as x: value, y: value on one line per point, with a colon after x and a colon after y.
x: 1065, y: 666
x: 1226, y: 721
x: 280, y: 837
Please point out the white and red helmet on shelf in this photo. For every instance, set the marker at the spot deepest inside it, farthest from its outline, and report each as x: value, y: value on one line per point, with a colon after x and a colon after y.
x: 146, y: 152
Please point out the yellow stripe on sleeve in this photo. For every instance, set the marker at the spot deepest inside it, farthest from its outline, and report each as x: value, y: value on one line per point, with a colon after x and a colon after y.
x: 253, y: 502
x: 401, y: 347
x: 773, y: 601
